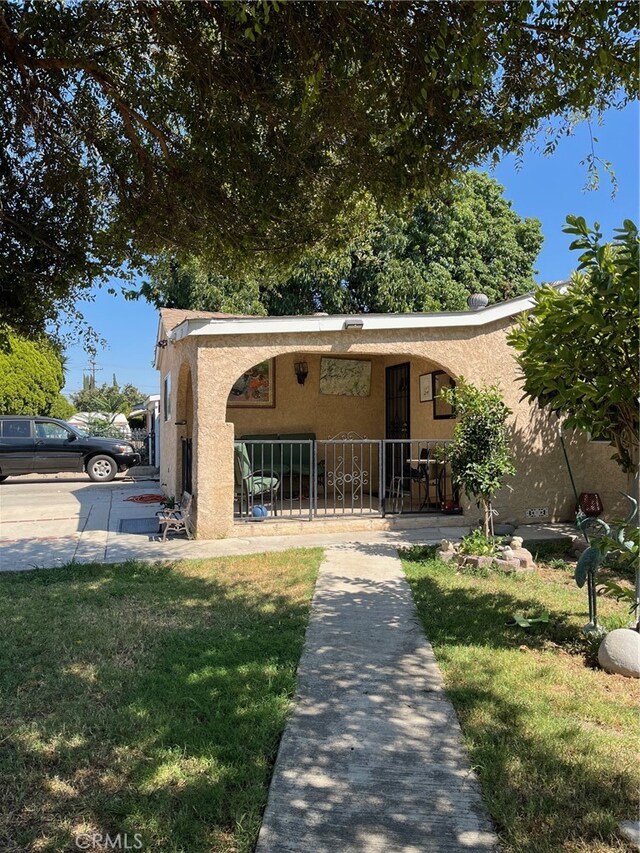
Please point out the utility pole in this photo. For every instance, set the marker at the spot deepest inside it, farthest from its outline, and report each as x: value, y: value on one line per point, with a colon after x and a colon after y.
x: 91, y: 380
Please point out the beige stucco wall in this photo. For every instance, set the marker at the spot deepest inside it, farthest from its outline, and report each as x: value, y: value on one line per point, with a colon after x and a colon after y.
x: 481, y: 355
x: 302, y: 408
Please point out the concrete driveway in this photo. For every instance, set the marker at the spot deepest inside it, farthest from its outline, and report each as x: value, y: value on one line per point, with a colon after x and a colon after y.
x: 51, y: 520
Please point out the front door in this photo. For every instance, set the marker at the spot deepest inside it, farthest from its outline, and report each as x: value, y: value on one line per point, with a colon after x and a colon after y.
x: 397, y: 419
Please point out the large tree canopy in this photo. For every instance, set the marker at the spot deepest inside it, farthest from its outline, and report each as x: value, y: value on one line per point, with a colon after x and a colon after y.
x: 429, y: 259
x: 579, y: 350
x: 253, y: 130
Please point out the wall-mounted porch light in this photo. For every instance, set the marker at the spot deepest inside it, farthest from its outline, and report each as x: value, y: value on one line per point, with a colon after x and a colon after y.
x: 162, y: 344
x: 302, y: 371
x: 353, y: 323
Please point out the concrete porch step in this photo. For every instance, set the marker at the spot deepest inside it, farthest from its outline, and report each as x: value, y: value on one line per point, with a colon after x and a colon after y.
x: 337, y: 524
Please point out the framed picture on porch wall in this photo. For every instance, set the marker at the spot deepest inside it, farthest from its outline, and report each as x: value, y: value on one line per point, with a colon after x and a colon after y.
x: 256, y: 388
x: 348, y: 377
x: 426, y: 387
x: 441, y: 410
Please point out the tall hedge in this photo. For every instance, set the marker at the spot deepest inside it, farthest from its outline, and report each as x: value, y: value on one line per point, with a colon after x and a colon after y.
x: 31, y: 376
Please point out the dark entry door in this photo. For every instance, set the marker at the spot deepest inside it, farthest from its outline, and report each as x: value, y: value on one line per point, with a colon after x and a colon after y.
x: 397, y: 419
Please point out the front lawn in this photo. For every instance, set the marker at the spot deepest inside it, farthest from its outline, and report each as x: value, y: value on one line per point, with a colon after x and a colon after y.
x: 553, y: 740
x: 147, y: 698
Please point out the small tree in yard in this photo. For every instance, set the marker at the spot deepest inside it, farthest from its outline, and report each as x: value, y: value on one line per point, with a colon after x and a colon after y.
x: 479, y: 455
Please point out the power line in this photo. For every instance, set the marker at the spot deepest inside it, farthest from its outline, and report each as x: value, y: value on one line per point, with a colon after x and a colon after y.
x: 92, y: 367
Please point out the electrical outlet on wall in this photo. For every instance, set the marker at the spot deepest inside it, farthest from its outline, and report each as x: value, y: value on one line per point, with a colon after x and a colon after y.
x: 538, y: 512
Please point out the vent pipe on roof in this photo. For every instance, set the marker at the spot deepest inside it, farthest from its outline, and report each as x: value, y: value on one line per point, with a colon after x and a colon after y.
x: 477, y: 301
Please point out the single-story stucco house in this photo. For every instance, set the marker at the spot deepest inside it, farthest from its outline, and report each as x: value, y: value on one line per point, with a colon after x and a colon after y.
x: 337, y: 421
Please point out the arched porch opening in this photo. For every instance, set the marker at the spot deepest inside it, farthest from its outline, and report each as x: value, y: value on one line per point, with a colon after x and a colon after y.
x: 184, y: 422
x: 342, y: 433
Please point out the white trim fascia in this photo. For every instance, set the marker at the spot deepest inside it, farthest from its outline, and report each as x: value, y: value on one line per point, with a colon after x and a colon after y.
x: 308, y: 324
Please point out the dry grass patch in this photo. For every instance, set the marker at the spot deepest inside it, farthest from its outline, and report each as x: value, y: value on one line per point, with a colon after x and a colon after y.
x: 147, y: 698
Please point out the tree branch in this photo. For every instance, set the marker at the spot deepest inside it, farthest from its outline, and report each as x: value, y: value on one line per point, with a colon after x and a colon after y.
x: 30, y: 233
x: 12, y: 47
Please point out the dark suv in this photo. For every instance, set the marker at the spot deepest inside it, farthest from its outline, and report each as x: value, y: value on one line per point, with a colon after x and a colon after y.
x: 47, y: 446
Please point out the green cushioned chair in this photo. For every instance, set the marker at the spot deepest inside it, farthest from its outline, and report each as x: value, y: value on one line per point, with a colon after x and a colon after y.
x: 250, y: 484
x: 263, y: 455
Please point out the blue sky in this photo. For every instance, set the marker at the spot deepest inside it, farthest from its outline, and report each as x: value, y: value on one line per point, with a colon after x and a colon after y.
x: 547, y: 188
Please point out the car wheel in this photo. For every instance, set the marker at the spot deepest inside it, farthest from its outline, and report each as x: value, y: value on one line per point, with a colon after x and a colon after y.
x: 102, y: 469
x: 4, y: 477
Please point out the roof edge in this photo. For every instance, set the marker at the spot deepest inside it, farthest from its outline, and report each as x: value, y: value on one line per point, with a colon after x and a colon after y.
x: 310, y: 323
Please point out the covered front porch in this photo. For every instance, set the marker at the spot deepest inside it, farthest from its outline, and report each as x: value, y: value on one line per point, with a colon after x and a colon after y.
x: 324, y: 437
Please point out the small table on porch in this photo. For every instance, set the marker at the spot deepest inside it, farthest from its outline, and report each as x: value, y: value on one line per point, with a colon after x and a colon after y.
x: 423, y: 463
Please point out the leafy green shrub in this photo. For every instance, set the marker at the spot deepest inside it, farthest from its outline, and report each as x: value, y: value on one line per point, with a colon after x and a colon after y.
x: 31, y: 376
x: 592, y: 387
x: 478, y: 545
x: 559, y: 563
x: 103, y: 427
x: 418, y: 553
x: 61, y: 408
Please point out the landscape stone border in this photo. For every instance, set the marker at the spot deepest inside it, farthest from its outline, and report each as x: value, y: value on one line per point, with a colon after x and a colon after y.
x: 511, y: 558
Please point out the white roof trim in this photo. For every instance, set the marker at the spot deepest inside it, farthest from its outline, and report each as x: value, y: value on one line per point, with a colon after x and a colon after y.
x: 307, y: 324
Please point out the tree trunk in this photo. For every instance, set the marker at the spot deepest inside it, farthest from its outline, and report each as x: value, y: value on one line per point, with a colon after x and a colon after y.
x: 488, y: 518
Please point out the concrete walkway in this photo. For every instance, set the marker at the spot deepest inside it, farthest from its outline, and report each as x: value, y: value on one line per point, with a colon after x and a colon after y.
x: 372, y: 759
x: 50, y: 521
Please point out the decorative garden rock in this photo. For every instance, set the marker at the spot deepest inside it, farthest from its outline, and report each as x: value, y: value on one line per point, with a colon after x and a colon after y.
x: 524, y: 558
x: 446, y: 551
x: 446, y: 556
x: 630, y: 829
x: 619, y: 652
x: 516, y: 542
x: 508, y: 558
x: 487, y: 562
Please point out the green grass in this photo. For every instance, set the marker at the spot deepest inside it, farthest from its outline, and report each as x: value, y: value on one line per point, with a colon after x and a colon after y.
x: 147, y: 698
x: 553, y: 740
